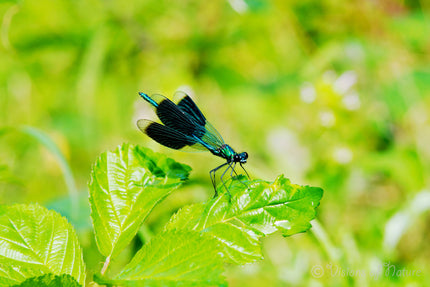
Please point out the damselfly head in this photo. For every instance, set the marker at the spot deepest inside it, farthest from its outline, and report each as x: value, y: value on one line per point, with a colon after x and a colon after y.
x: 241, y: 157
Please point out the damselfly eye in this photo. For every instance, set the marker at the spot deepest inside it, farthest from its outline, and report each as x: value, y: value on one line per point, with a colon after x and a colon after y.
x: 243, y: 157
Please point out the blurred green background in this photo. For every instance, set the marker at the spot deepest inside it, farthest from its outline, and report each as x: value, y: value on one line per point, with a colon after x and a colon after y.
x: 331, y: 93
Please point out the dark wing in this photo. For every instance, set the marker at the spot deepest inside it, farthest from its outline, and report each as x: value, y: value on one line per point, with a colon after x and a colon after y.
x: 168, y: 136
x: 172, y: 116
x: 210, y: 136
x: 186, y: 104
x: 183, y: 118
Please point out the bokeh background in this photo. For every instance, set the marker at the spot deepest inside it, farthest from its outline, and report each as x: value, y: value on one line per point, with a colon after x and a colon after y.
x: 330, y: 93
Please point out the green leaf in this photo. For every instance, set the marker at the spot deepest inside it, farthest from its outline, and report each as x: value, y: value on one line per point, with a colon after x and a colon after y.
x: 36, y: 241
x: 125, y: 186
x: 251, y: 212
x: 174, y: 258
x: 10, y: 275
x: 50, y: 280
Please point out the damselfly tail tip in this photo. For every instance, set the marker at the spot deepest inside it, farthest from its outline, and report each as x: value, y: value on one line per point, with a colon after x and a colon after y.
x: 143, y: 95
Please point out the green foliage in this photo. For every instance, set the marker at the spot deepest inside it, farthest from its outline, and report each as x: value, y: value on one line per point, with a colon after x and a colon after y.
x: 254, y: 210
x: 36, y: 241
x: 125, y: 186
x: 50, y: 280
x: 174, y: 258
x: 11, y: 275
x: 39, y: 248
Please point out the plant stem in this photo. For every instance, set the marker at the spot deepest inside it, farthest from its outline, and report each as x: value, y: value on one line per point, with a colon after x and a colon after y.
x: 105, y: 265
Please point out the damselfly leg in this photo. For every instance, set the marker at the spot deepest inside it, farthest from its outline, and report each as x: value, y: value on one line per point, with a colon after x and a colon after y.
x: 231, y: 165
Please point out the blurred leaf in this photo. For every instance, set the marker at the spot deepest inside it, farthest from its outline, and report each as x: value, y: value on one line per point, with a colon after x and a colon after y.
x: 125, y: 185
x: 421, y: 79
x: 257, y: 5
x: 398, y: 224
x: 242, y: 6
x: 401, y: 165
x: 173, y: 258
x: 35, y: 241
x: 80, y: 221
x: 254, y: 211
x: 413, y: 30
x: 50, y: 280
x: 47, y: 142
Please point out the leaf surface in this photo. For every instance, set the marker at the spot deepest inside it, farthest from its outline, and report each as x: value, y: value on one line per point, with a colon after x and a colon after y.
x: 173, y: 258
x: 36, y: 241
x: 125, y: 186
x: 254, y: 210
